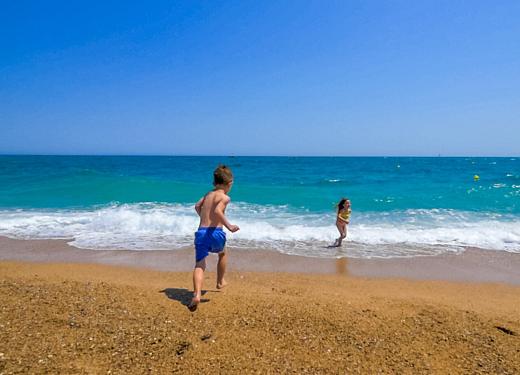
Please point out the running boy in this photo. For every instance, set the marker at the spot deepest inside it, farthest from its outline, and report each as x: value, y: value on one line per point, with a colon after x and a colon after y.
x: 210, y: 237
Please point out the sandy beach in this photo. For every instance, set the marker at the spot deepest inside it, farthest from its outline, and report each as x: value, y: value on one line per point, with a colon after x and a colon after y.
x: 74, y: 316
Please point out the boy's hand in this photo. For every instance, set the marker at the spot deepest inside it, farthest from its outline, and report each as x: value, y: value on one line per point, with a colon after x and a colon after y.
x: 233, y: 228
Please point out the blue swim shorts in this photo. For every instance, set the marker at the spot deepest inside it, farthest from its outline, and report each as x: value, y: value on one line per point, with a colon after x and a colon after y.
x: 208, y: 239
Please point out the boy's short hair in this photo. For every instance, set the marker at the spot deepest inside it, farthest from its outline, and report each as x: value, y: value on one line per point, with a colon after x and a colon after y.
x: 222, y: 175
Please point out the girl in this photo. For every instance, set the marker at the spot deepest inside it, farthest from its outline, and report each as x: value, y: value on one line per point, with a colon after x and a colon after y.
x: 342, y: 219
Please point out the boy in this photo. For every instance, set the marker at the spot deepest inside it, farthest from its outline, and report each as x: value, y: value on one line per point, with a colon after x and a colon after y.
x: 210, y: 237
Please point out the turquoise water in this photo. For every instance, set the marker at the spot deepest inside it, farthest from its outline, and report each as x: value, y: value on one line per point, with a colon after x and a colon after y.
x: 401, y: 206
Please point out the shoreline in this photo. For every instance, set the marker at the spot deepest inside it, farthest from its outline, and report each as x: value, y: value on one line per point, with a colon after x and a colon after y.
x: 472, y: 265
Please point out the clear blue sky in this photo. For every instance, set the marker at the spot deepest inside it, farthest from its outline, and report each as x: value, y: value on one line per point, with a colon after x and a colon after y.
x: 260, y: 77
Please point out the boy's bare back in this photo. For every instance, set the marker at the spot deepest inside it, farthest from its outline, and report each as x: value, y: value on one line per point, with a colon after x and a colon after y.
x: 212, y: 209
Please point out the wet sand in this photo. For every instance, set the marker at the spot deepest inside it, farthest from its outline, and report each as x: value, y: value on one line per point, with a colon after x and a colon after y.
x: 474, y: 265
x: 60, y: 313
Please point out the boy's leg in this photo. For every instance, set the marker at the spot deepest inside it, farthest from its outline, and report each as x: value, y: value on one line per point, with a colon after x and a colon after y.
x: 221, y: 269
x: 198, y: 279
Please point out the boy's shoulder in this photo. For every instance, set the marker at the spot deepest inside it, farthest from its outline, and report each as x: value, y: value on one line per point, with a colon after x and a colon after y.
x: 223, y: 196
x: 217, y: 194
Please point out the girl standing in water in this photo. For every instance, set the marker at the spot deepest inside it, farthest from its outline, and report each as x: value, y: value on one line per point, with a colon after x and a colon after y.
x: 342, y: 219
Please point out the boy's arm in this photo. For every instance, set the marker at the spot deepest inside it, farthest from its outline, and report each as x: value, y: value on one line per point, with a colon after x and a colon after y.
x: 198, y: 205
x: 219, y: 211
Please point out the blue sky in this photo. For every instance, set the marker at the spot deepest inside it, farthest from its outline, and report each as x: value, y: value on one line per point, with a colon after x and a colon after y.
x: 260, y: 77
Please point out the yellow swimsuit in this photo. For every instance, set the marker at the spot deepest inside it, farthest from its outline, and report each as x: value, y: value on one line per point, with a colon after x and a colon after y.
x: 344, y: 215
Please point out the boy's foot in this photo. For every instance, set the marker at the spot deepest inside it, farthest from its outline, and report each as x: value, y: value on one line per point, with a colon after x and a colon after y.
x: 194, y: 304
x: 222, y: 284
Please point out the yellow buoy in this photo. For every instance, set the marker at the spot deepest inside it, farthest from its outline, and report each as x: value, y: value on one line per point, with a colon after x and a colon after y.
x: 476, y: 177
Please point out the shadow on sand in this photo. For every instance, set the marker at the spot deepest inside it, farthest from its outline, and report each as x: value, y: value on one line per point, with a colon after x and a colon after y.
x: 182, y: 295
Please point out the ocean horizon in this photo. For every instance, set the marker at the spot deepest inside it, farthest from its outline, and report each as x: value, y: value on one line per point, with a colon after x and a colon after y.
x: 402, y: 206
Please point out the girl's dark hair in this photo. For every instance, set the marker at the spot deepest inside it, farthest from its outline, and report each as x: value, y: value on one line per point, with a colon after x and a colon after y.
x: 341, y: 204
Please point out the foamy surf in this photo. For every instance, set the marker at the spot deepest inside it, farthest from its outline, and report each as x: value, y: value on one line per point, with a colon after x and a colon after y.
x: 164, y: 226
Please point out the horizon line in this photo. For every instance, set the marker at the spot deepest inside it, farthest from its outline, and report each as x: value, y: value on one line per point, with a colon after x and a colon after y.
x: 263, y: 155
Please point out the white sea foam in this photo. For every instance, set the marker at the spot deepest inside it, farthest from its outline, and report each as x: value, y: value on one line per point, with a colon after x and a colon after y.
x: 295, y: 231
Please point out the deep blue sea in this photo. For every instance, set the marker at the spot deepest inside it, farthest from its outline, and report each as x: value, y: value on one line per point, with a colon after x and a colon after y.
x: 401, y: 206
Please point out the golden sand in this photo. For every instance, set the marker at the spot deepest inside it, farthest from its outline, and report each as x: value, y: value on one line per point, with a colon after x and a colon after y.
x: 77, y: 318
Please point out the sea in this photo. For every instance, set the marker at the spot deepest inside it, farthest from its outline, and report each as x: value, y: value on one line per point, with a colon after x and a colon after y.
x: 401, y: 206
